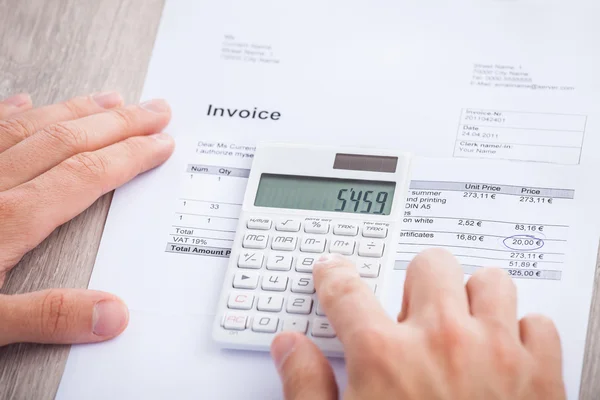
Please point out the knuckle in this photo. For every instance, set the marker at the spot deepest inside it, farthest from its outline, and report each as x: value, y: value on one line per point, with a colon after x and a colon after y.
x: 124, y: 118
x: 369, y: 342
x: 20, y: 128
x: 506, y: 355
x: 77, y: 107
x: 88, y: 163
x: 54, y: 313
x: 447, y: 331
x: 68, y: 135
x: 338, y: 288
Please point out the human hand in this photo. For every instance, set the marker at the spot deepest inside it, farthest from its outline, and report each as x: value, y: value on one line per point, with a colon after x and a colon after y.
x: 55, y: 161
x: 450, y: 341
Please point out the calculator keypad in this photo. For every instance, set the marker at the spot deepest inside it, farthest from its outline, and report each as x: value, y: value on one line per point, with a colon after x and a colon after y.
x: 274, y: 274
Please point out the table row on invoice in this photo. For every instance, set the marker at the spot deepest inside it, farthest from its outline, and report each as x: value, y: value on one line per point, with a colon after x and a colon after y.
x: 520, y: 229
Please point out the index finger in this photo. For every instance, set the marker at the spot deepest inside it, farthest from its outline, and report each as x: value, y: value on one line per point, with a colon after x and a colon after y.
x: 348, y: 302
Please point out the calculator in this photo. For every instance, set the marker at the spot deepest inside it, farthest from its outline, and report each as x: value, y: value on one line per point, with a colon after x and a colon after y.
x: 302, y: 202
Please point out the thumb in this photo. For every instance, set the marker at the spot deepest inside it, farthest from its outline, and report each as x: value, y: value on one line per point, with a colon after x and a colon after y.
x: 304, y: 370
x: 61, y: 316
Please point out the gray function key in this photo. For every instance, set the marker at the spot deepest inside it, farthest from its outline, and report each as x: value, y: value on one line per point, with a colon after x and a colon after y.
x: 345, y: 229
x: 255, y: 240
x: 295, y: 324
x: 316, y: 226
x: 371, y: 248
x: 342, y: 246
x: 258, y: 223
x: 288, y: 225
x: 284, y: 243
x: 245, y: 280
x: 374, y: 231
x: 250, y: 259
x: 313, y: 244
x: 368, y: 267
x: 322, y: 328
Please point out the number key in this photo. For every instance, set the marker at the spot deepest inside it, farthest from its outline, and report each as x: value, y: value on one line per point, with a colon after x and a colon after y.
x: 270, y: 302
x: 299, y: 304
x: 280, y: 262
x: 274, y: 282
x: 306, y: 263
x: 304, y: 284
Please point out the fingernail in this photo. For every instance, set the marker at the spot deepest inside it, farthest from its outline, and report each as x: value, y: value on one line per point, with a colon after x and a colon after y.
x: 155, y: 106
x: 161, y: 136
x: 107, y: 99
x: 18, y: 100
x: 110, y: 317
x: 282, y: 348
x: 328, y: 259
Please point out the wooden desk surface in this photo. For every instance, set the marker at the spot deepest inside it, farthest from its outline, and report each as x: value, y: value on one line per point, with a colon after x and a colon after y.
x: 56, y: 49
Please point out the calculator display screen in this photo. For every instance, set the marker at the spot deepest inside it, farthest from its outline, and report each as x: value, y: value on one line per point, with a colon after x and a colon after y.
x: 325, y: 194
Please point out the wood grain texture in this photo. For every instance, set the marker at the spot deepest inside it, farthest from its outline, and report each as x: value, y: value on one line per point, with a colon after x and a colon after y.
x: 61, y: 48
x: 57, y: 49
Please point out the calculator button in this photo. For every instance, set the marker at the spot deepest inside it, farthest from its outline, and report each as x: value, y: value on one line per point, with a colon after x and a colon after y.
x: 299, y: 304
x: 270, y: 302
x: 313, y: 244
x: 245, y: 280
x: 374, y: 231
x: 371, y: 248
x: 320, y: 310
x: 240, y: 301
x: 288, y: 225
x: 305, y: 263
x: 265, y: 323
x: 304, y: 284
x: 345, y: 229
x: 250, y: 259
x: 255, y: 241
x: 322, y: 328
x: 342, y: 246
x: 295, y: 324
x: 274, y: 282
x: 285, y: 243
x: 279, y: 262
x: 259, y: 223
x: 368, y: 268
x: 235, y: 321
x: 316, y: 226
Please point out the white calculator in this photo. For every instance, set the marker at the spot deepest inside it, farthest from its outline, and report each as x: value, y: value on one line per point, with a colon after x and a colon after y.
x: 302, y: 202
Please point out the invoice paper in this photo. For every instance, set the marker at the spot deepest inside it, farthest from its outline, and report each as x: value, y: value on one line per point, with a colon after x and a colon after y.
x: 497, y: 99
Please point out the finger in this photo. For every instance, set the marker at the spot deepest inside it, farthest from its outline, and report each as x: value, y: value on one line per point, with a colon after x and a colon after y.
x: 55, y: 143
x: 14, y: 105
x: 25, y: 124
x: 304, y: 371
x: 541, y: 339
x: 61, y: 316
x: 347, y: 301
x: 434, y: 282
x: 493, y: 298
x: 60, y: 194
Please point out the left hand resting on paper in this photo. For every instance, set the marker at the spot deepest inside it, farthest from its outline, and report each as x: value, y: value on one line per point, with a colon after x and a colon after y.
x: 55, y: 161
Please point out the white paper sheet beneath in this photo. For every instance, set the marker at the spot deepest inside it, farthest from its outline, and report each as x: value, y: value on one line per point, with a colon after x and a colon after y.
x: 502, y: 94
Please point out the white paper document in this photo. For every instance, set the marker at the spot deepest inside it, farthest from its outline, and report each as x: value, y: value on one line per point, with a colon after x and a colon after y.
x: 498, y: 100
